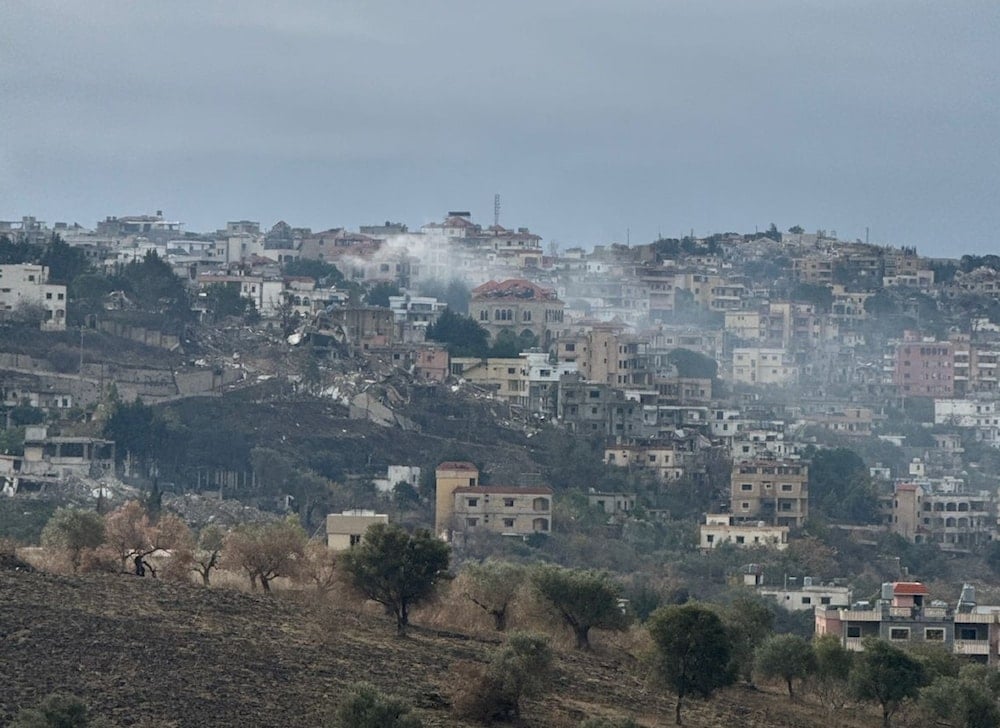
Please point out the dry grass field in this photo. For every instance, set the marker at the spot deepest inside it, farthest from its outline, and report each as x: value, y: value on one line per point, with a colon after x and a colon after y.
x: 144, y: 652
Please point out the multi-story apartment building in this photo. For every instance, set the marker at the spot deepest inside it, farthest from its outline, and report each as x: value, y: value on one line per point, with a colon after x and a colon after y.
x: 607, y: 354
x: 975, y: 365
x: 659, y: 283
x: 506, y: 510
x: 774, y: 491
x: 924, y: 367
x: 24, y: 286
x: 761, y: 366
x: 594, y: 408
x: 978, y: 413
x: 847, y: 421
x: 449, y: 476
x: 507, y: 378
x: 518, y: 305
x: 848, y: 307
x: 668, y: 460
x: 813, y: 269
x: 953, y: 520
x: 530, y: 380
x: 904, y: 615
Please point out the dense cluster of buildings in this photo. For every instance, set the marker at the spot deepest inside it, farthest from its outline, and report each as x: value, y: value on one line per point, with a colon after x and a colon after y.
x: 789, y: 340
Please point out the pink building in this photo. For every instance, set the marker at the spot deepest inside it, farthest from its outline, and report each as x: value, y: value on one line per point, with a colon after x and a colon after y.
x: 924, y: 368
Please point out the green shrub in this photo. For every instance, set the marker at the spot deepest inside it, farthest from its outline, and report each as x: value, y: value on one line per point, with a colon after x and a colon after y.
x: 493, y: 693
x: 55, y: 711
x: 366, y: 707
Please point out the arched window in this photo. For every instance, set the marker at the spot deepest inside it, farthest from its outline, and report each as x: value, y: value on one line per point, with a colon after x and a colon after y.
x: 540, y: 504
x: 540, y: 525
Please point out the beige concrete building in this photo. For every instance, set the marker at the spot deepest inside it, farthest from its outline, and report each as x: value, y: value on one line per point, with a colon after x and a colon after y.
x: 606, y: 354
x: 508, y: 378
x: 720, y: 528
x: 449, y: 476
x: 760, y: 366
x: 661, y: 458
x: 518, y: 305
x: 346, y: 529
x: 954, y: 521
x: 773, y: 491
x: 506, y: 510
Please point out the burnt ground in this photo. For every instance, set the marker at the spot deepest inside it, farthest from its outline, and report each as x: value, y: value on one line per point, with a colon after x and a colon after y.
x: 141, y: 652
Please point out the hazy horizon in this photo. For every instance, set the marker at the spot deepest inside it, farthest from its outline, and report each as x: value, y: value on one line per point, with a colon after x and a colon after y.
x: 593, y: 121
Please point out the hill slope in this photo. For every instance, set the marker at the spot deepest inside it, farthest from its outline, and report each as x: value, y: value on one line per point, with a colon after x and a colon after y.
x: 148, y: 653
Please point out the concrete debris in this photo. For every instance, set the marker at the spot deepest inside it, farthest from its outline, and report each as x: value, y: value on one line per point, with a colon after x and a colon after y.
x: 200, y: 510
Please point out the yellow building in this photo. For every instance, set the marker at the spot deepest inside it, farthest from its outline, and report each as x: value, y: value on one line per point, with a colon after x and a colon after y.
x: 776, y: 491
x: 507, y: 510
x: 449, y: 476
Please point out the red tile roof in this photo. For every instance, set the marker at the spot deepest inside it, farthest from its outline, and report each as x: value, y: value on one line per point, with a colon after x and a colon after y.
x: 911, y: 588
x: 513, y: 288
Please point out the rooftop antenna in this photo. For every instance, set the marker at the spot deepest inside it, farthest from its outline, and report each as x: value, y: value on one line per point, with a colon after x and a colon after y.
x: 496, y: 210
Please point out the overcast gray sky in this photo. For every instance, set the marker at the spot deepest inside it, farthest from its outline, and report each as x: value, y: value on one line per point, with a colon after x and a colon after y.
x: 589, y: 118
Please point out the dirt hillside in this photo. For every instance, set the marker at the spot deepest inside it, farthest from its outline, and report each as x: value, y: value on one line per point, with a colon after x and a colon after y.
x: 142, y: 652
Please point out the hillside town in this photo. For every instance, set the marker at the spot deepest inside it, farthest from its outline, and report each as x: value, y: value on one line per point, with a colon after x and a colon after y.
x: 810, y: 420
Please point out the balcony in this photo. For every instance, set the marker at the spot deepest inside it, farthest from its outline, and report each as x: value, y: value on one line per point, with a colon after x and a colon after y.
x: 971, y: 647
x: 854, y: 615
x: 854, y: 644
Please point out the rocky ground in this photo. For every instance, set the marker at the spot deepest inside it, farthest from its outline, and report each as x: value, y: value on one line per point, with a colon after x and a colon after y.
x: 142, y: 652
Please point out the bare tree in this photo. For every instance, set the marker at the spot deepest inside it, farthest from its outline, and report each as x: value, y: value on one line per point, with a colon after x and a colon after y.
x: 319, y: 566
x: 205, y: 556
x: 131, y: 533
x: 266, y: 551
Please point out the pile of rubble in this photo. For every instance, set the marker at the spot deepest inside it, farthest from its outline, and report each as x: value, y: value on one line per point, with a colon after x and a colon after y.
x: 200, y: 510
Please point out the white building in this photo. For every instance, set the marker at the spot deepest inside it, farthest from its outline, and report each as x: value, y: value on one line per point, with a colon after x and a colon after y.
x: 25, y: 285
x: 419, y: 311
x: 719, y: 529
x: 761, y: 366
x: 811, y: 594
x: 981, y: 415
x: 396, y: 474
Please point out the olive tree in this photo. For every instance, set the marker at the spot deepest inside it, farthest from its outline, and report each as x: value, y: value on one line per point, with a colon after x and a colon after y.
x: 492, y: 586
x: 583, y: 598
x: 787, y: 656
x: 887, y: 675
x: 395, y: 569
x: 73, y: 530
x: 693, y: 651
x: 517, y: 670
